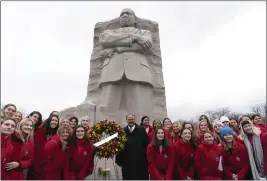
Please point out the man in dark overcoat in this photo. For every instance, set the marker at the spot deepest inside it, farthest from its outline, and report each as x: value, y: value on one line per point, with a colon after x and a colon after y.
x: 132, y: 159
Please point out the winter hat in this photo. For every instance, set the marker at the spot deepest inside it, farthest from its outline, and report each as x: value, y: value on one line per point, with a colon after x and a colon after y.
x: 216, y: 122
x: 224, y: 119
x: 226, y: 130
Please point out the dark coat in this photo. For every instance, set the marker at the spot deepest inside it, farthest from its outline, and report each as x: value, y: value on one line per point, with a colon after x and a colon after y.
x: 133, y: 158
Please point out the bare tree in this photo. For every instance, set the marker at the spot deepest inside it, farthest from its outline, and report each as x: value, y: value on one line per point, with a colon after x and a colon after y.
x: 260, y: 109
x: 219, y: 112
x: 211, y: 114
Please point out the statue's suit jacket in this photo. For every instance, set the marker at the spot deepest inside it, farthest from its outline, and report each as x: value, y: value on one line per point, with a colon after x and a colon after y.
x: 124, y: 57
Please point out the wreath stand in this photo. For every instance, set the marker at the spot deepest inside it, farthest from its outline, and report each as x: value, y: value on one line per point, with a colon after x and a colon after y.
x: 105, y: 175
x: 105, y: 167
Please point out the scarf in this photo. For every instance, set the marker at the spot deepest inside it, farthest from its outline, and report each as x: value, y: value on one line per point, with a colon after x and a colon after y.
x: 256, y: 164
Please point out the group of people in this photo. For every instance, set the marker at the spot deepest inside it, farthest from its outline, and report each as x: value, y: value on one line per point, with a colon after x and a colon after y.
x: 59, y: 148
x: 51, y: 149
x: 227, y: 149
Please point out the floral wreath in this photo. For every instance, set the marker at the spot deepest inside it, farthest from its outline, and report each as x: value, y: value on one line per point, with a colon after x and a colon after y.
x: 108, y: 128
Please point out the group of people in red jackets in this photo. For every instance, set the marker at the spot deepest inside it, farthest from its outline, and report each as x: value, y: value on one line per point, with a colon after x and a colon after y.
x: 53, y: 149
x: 225, y: 150
x: 56, y: 149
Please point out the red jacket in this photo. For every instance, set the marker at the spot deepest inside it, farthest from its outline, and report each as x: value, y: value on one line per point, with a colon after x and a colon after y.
x: 150, y: 133
x: 262, y: 127
x: 6, y: 150
x: 160, y: 165
x: 207, y: 159
x: 168, y: 134
x: 175, y: 137
x: 81, y: 160
x: 236, y: 130
x: 263, y: 137
x: 56, y: 162
x: 40, y: 139
x: 201, y: 137
x: 184, y: 160
x: 235, y: 163
x: 22, y: 153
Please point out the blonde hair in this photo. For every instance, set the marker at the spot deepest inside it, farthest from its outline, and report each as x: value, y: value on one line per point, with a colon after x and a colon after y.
x: 204, y: 121
x: 19, y: 131
x: 62, y: 128
x: 178, y: 123
x: 61, y: 120
x: 255, y: 130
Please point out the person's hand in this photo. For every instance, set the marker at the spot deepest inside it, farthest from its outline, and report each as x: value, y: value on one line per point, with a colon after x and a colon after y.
x: 142, y: 41
x: 12, y: 165
x: 235, y: 177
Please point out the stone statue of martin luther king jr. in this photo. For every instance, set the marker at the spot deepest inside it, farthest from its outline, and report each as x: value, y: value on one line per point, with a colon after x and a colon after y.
x: 126, y: 80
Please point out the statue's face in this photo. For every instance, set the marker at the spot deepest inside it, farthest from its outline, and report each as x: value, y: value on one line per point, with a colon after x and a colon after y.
x: 127, y: 18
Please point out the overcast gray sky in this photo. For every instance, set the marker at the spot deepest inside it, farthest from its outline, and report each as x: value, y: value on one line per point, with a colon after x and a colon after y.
x: 214, y: 53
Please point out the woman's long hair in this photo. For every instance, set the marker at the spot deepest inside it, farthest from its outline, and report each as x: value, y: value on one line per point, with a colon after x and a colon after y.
x: 39, y: 122
x: 24, y: 138
x: 153, y: 124
x: 226, y: 147
x: 180, y: 128
x: 208, y: 129
x: 75, y: 118
x: 247, y: 120
x: 193, y: 143
x: 48, y: 129
x: 208, y: 121
x: 194, y: 134
x: 142, y: 120
x: 62, y: 128
x: 155, y: 142
x: 217, y: 137
x: 73, y: 137
x: 170, y: 130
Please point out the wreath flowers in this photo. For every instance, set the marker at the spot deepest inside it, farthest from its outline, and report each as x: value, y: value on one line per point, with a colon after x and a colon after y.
x: 104, y: 129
